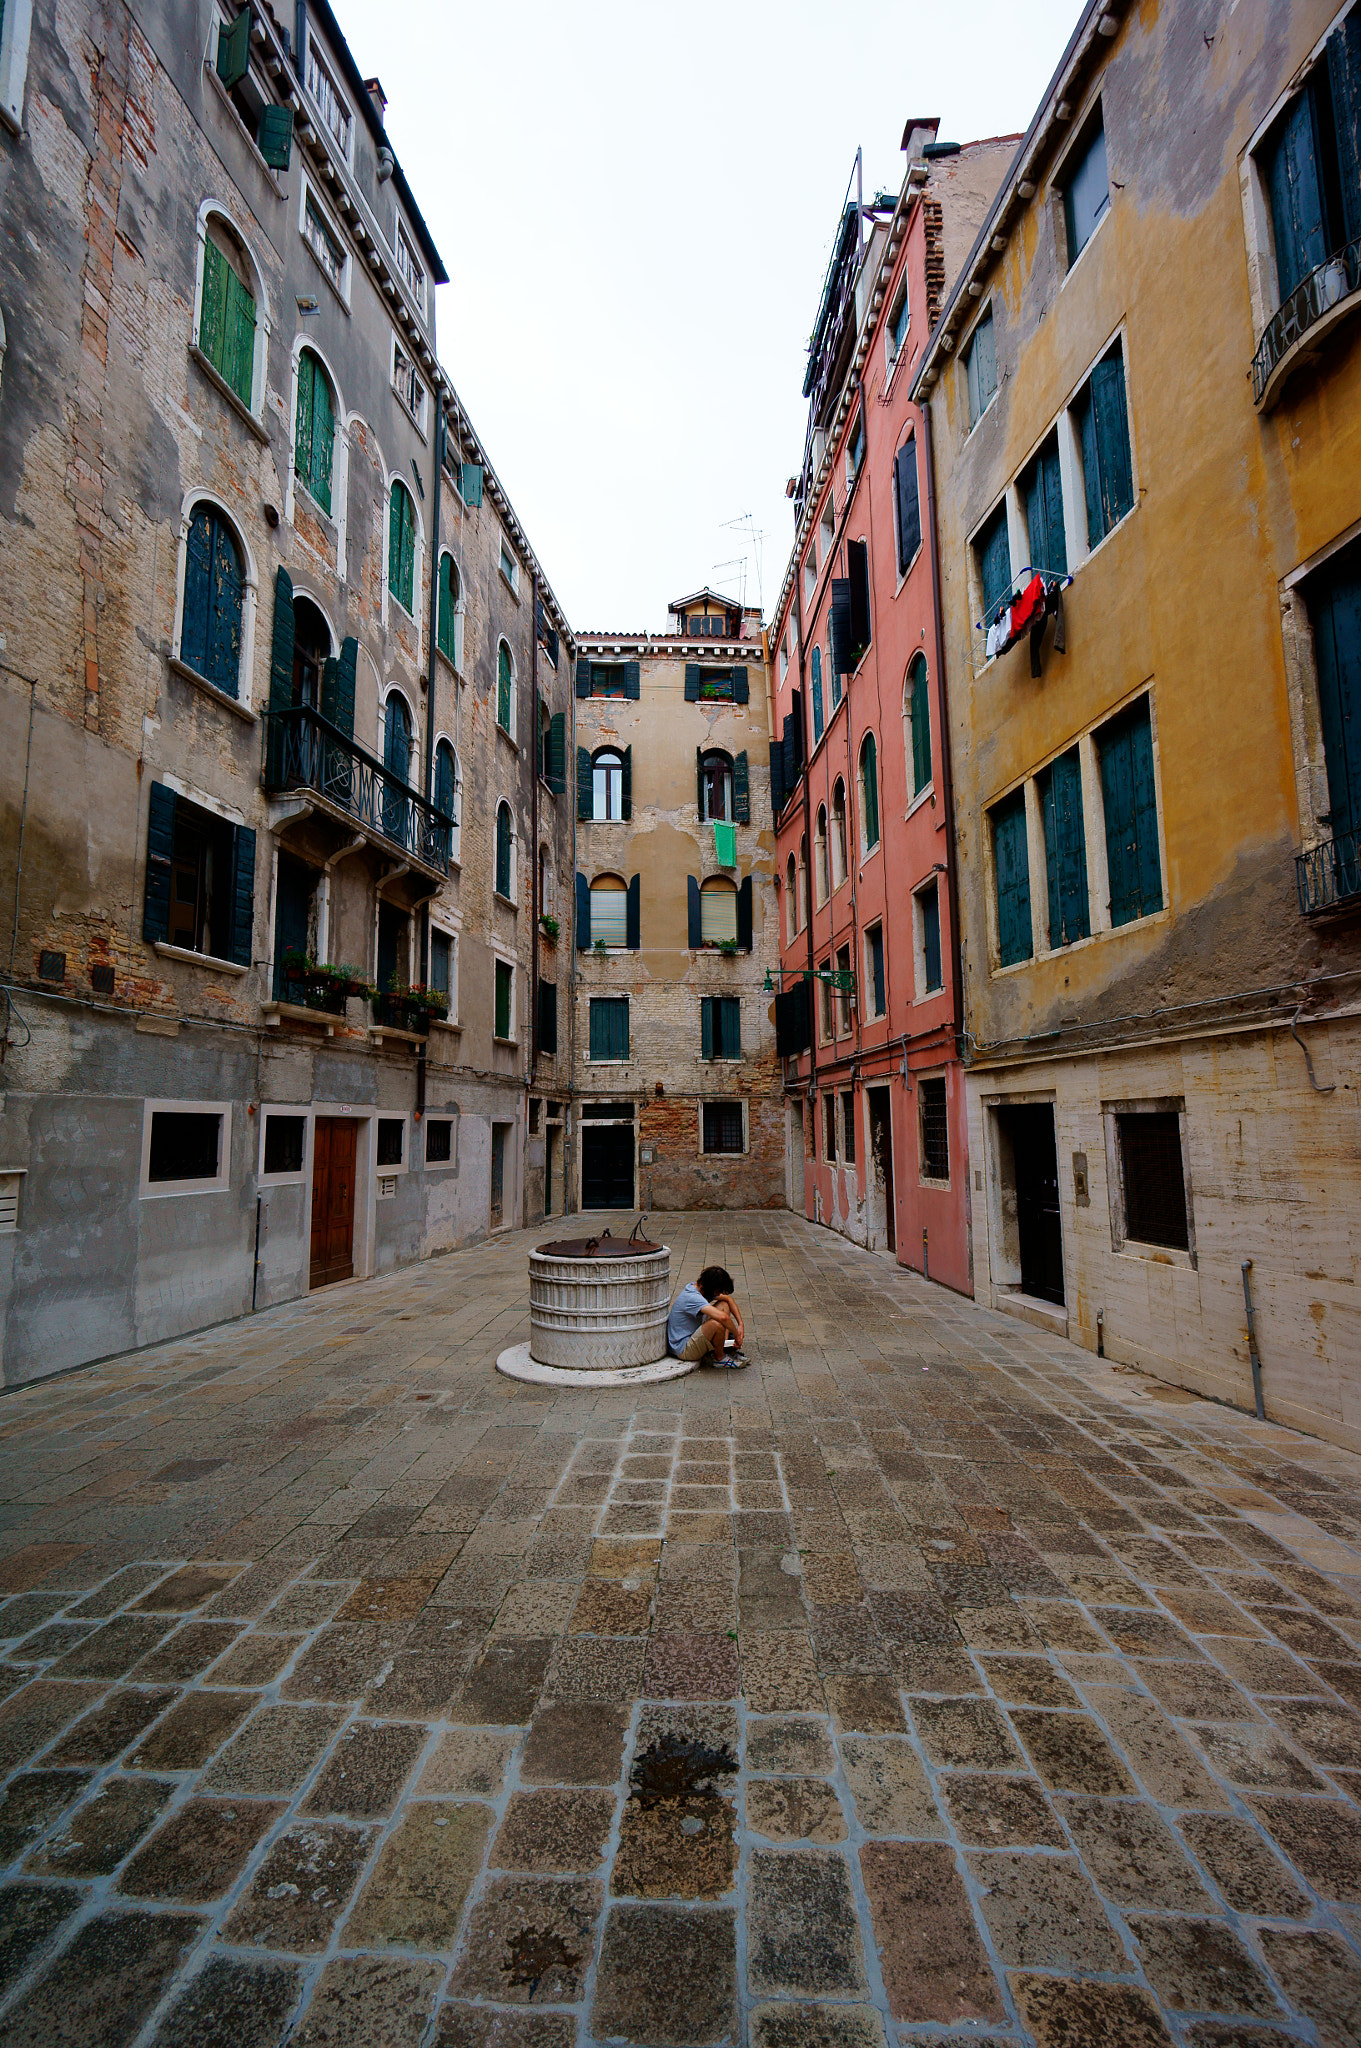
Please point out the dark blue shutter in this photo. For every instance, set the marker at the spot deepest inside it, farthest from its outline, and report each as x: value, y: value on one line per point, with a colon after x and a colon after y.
x: 744, y: 916
x: 699, y: 784
x: 909, y: 503
x: 1296, y: 191
x: 931, y: 937
x: 281, y: 645
x: 841, y: 629
x: 1044, y: 512
x: 694, y: 676
x: 877, y: 968
x: 858, y: 567
x: 233, y: 50
x: 583, y: 677
x: 994, y: 560
x: 548, y: 1016
x: 626, y: 787
x: 503, y: 850
x: 633, y: 686
x: 585, y: 784
x: 815, y: 673
x: 1335, y: 610
x: 777, y: 789
x: 275, y: 139
x: 243, y: 895
x: 706, y: 1027
x: 198, y: 582
x: 342, y: 715
x: 921, y: 727
x: 730, y: 1019
x: 557, y: 752
x: 1065, y: 851
x: 633, y: 915
x: 741, y: 692
x: 792, y: 1028
x: 1091, y: 467
x: 1344, y: 79
x: 741, y: 791
x: 695, y: 939
x: 224, y: 613
x: 1011, y: 860
x: 160, y: 852
x: 583, y: 914
x: 1112, y: 439
x: 789, y: 753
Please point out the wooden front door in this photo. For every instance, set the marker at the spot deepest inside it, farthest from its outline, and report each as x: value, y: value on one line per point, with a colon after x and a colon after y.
x: 333, y: 1148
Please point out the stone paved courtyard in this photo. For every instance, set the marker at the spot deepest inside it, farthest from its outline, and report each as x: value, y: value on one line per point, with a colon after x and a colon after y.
x: 929, y: 1680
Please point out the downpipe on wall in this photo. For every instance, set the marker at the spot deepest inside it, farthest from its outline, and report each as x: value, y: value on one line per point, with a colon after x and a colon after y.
x: 1252, y: 1338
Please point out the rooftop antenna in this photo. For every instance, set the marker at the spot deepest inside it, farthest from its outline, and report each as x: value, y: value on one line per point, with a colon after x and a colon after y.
x: 745, y: 522
x: 739, y: 562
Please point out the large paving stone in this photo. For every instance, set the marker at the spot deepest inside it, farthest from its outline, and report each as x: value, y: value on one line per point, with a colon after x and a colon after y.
x: 31, y: 1915
x: 425, y: 1870
x: 1201, y: 1966
x: 275, y: 1750
x: 96, y: 1838
x: 529, y: 1941
x: 304, y: 1883
x: 1043, y: 1914
x: 667, y: 1977
x: 360, y: 2001
x: 574, y: 1742
x: 1062, y: 2014
x: 553, y: 1830
x: 364, y: 1775
x: 102, y: 1988
x: 803, y: 1935
x: 933, y: 1961
x: 232, y: 2003
x: 201, y: 1850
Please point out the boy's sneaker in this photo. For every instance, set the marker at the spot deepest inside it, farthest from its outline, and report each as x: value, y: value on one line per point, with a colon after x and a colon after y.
x: 731, y: 1359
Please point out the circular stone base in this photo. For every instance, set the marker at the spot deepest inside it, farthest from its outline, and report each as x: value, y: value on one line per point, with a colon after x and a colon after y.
x: 517, y: 1364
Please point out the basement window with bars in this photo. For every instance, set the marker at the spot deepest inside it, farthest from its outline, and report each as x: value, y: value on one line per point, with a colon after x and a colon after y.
x: 1151, y: 1195
x: 391, y: 1141
x: 935, y: 1130
x: 723, y: 1127
x: 438, y: 1140
x: 285, y: 1138
x: 186, y: 1148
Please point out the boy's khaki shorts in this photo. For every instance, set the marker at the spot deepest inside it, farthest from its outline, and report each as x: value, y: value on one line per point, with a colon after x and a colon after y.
x: 698, y: 1348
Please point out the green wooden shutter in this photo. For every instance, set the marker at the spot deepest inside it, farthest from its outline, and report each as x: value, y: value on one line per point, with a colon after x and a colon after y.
x: 994, y: 560
x: 323, y: 439
x: 281, y: 645
x: 921, y: 728
x: 503, y: 851
x: 841, y: 633
x: 741, y: 790
x: 238, y: 366
x: 732, y: 1027
x: 1044, y: 512
x: 503, y: 986
x: 557, y: 752
x: 212, y: 316
x: 243, y: 895
x: 1335, y: 610
x: 302, y: 450
x: 401, y: 544
x: 1091, y: 468
x: 233, y: 49
x: 198, y: 583
x: 1011, y: 860
x: 227, y: 587
x: 275, y: 139
x: 337, y: 687
x: 699, y: 784
x: 909, y: 503
x: 815, y: 669
x: 744, y: 916
x: 471, y: 487
x: 445, y: 625
x: 869, y: 782
x: 931, y: 938
x: 695, y: 937
x: 1296, y: 192
x: 1065, y: 851
x: 585, y: 784
x: 777, y: 788
x: 706, y: 1027
x: 694, y: 675
x: 626, y: 787
x: 160, y: 852
x: 1344, y: 79
x: 741, y: 687
x: 633, y: 915
x: 633, y: 687
x: 1111, y: 419
x: 877, y: 969
x: 583, y: 683
x: 583, y: 894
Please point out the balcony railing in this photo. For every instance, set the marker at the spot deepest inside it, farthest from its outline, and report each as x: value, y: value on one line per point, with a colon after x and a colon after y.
x: 1312, y: 301
x: 303, y: 750
x: 1328, y: 876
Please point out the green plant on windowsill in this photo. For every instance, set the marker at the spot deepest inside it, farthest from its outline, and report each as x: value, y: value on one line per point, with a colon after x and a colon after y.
x: 549, y: 926
x: 356, y: 981
x: 600, y: 947
x: 728, y: 948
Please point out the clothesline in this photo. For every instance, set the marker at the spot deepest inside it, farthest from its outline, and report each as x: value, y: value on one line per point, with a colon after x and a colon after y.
x: 1058, y: 579
x: 1040, y: 599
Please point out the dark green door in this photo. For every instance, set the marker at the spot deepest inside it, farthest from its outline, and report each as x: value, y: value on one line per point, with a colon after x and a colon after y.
x: 607, y: 1166
x: 1030, y: 1127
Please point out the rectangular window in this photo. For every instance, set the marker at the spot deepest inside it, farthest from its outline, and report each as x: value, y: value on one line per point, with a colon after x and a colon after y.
x: 1011, y: 866
x: 1065, y: 850
x: 980, y: 364
x: 1153, y: 1178
x: 391, y: 1140
x: 608, y: 679
x: 720, y: 1027
x: 441, y: 965
x: 407, y: 384
x: 508, y: 565
x: 928, y: 912
x: 829, y: 1127
x: 609, y: 915
x: 827, y: 527
x: 439, y: 1132
x: 505, y: 979
x: 1311, y: 167
x: 609, y: 1027
x: 718, y: 916
x: 326, y: 96
x: 723, y: 1127
x: 284, y: 1140
x: 874, y: 968
x: 1107, y: 466
x: 324, y: 243
x: 186, y: 1148
x: 409, y: 266
x: 898, y: 317
x: 1086, y: 192
x: 810, y: 572
x: 907, y: 503
x: 935, y: 1130
x: 855, y: 452
x: 848, y: 1126
x: 992, y: 552
x: 201, y: 913
x: 845, y: 998
x: 1043, y: 488
x: 1130, y: 802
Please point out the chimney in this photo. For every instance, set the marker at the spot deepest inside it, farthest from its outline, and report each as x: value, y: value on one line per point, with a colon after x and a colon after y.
x: 374, y: 88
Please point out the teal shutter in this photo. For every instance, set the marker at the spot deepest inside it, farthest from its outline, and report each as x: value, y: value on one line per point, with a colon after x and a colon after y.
x: 243, y: 895
x: 778, y: 793
x: 504, y: 686
x: 233, y: 49
x: 694, y: 675
x: 1087, y: 195
x: 302, y: 448
x: 633, y: 687
x: 840, y: 634
x: 877, y: 968
x: 1065, y: 851
x: 921, y: 728
x: 994, y: 560
x: 1344, y: 79
x: 275, y: 139
x: 557, y: 752
x: 1296, y: 193
x: 741, y: 688
x: 815, y: 669
x: 323, y: 439
x: 401, y: 545
x: 706, y: 1027
x: 583, y: 893
x: 931, y: 938
x: 501, y: 1025
x: 1011, y: 859
x: 281, y: 645
x: 695, y: 936
x: 503, y: 851
x: 1129, y: 798
x: 633, y: 915
x: 583, y: 683
x: 732, y: 1027
x: 198, y: 583
x: 585, y: 784
x: 909, y: 503
x: 1044, y: 512
x: 342, y: 713
x: 238, y: 366
x: 869, y: 786
x: 626, y: 786
x: 982, y: 368
x: 1112, y: 439
x: 1335, y: 609
x: 445, y: 625
x: 744, y: 915
x: 223, y: 667
x: 160, y: 852
x: 470, y: 489
x: 741, y: 790
x: 212, y: 316
x: 1091, y: 468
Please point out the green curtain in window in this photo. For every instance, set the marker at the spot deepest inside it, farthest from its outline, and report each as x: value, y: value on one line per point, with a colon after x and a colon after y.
x: 226, y: 328
x: 402, y: 545
x: 316, y: 430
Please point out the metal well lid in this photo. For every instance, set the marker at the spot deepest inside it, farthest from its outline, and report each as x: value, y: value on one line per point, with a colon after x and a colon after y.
x: 602, y: 1247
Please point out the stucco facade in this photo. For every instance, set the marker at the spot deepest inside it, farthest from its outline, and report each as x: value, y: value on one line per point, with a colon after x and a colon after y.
x: 674, y: 1066
x: 224, y: 700
x: 1160, y: 1001
x: 876, y: 1141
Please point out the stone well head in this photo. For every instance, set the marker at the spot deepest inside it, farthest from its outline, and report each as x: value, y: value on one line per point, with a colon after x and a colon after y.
x: 599, y: 1303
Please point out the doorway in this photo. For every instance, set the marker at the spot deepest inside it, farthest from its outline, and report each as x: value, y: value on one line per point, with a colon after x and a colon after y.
x: 292, y: 919
x: 1028, y: 1174
x: 333, y: 1154
x: 606, y: 1166
x: 391, y: 932
x: 499, y: 1133
x: 794, y: 1157
x: 883, y: 1222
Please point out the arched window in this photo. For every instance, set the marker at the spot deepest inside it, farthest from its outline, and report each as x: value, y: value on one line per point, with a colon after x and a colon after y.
x: 402, y: 545
x: 607, y: 775
x: 803, y: 881
x: 791, y: 905
x: 816, y: 668
x: 505, y: 689
x: 869, y: 794
x: 917, y: 724
x: 609, y: 910
x: 838, y: 833
x: 226, y: 312
x: 505, y: 852
x: 314, y: 440
x: 397, y: 765
x: 311, y: 651
x: 717, y: 911
x: 547, y: 892
x: 214, y: 590
x: 821, y: 884
x: 835, y: 675
x: 449, y: 618
x: 446, y: 791
x: 715, y: 787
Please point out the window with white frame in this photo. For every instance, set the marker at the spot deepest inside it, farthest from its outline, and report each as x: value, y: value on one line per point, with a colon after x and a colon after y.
x: 855, y: 450
x: 509, y: 566
x: 503, y: 1022
x: 609, y: 911
x: 390, y: 1144
x: 324, y: 240
x: 980, y: 368
x: 724, y: 1127
x: 827, y: 527
x: 810, y: 570
x: 899, y: 316
x: 283, y: 1144
x: 328, y: 99
x: 407, y: 384
x: 1086, y: 187
x: 186, y: 1148
x: 444, y: 967
x: 410, y: 267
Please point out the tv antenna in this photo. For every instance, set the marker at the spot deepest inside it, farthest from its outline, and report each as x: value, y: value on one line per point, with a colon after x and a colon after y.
x: 745, y: 523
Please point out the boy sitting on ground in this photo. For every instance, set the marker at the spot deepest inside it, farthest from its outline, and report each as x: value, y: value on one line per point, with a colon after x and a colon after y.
x: 703, y: 1317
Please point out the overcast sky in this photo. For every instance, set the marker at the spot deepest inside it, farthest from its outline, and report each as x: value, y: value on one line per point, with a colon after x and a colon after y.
x: 636, y: 206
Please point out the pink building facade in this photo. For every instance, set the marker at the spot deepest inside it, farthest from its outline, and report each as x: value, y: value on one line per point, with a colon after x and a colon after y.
x: 870, y: 1014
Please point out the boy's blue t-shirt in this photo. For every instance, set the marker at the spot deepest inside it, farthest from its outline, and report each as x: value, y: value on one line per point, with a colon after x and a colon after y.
x: 688, y: 1311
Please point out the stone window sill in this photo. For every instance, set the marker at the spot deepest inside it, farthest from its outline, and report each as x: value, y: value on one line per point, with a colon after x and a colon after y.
x: 191, y: 675
x: 215, y: 378
x: 192, y: 959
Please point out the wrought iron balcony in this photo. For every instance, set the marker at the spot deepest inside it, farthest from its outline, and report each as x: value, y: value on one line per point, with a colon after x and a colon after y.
x: 1329, y: 876
x: 1315, y: 304
x: 304, y: 751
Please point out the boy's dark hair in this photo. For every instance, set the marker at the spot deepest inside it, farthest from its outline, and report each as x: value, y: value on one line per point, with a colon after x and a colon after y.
x: 713, y: 1281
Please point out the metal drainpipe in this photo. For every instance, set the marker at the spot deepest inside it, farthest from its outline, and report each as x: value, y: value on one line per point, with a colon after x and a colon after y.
x: 946, y: 769
x: 808, y: 877
x: 534, y: 832
x: 434, y: 666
